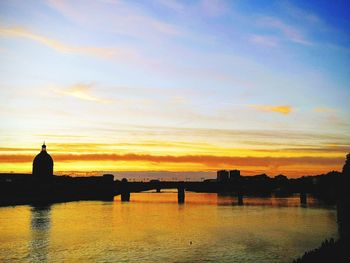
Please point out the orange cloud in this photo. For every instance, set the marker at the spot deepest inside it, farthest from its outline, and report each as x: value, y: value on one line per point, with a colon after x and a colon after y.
x: 324, y: 110
x: 61, y: 47
x: 283, y: 109
x: 81, y: 91
x: 208, y: 160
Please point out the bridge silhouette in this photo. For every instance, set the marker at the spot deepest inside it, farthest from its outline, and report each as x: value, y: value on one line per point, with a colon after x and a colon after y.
x: 125, y: 188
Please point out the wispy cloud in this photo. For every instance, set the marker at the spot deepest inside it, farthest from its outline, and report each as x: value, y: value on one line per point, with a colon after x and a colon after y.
x: 318, y: 25
x: 174, y: 5
x: 209, y: 161
x: 292, y: 33
x: 119, y: 17
x: 81, y: 91
x: 264, y: 40
x: 270, y: 149
x: 324, y: 110
x: 213, y: 7
x: 298, y: 13
x: 203, y: 159
x: 20, y: 32
x: 282, y: 109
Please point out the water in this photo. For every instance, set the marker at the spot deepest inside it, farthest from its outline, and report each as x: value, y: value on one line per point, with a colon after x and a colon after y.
x: 154, y: 228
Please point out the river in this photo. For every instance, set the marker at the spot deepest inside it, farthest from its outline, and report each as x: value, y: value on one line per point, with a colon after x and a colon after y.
x: 152, y: 227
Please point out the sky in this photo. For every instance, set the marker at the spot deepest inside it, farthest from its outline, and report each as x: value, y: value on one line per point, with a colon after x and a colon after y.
x: 175, y: 86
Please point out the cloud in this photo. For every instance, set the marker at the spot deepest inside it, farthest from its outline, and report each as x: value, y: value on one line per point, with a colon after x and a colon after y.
x: 15, y: 149
x: 213, y: 8
x: 291, y: 166
x: 225, y: 135
x: 273, y: 149
x: 174, y: 5
x: 122, y: 17
x: 282, y: 109
x: 299, y: 14
x: 81, y: 91
x: 292, y: 33
x: 324, y: 110
x: 20, y: 32
x: 264, y: 40
x: 207, y: 160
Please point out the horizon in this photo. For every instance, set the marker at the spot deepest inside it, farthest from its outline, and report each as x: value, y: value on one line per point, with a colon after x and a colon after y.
x: 145, y: 176
x: 176, y: 86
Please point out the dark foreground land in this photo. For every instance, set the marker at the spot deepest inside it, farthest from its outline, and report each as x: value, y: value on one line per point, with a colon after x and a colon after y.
x: 329, y: 251
x: 339, y: 250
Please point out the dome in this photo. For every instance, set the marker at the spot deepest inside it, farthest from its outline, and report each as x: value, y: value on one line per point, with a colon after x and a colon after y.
x: 43, y: 164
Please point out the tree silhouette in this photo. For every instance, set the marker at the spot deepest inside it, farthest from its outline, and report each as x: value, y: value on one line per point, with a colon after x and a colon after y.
x: 346, y: 167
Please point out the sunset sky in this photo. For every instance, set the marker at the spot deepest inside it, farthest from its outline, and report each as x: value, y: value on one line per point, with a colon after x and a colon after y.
x: 166, y: 85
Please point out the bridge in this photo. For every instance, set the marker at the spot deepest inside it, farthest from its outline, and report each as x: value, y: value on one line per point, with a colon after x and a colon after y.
x: 125, y: 188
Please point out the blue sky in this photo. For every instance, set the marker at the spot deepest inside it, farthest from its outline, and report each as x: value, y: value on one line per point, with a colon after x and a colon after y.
x: 108, y: 69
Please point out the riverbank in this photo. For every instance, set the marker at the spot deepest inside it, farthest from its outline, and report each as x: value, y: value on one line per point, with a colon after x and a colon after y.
x: 329, y: 251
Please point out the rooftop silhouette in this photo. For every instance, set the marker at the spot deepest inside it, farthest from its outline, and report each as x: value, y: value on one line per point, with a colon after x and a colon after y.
x: 43, y: 164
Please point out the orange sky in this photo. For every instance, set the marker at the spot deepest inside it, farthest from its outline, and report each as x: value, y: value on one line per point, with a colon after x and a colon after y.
x: 179, y: 157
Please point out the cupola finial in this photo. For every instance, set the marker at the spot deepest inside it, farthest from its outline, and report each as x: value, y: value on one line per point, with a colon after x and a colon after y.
x: 43, y: 147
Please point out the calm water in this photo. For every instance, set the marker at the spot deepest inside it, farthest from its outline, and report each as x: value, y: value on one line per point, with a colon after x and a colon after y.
x: 154, y: 228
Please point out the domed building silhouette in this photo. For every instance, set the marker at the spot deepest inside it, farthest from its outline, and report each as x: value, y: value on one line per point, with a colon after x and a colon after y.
x: 43, y: 164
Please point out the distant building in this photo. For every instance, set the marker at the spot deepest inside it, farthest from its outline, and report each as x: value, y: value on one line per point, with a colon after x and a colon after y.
x: 222, y: 176
x: 43, y: 164
x: 235, y: 175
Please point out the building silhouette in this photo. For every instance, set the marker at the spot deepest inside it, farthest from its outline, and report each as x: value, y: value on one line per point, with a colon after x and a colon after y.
x: 235, y: 175
x: 222, y: 175
x: 43, y: 164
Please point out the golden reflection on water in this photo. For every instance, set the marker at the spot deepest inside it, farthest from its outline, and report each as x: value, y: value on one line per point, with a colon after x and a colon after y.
x: 153, y: 227
x: 169, y: 196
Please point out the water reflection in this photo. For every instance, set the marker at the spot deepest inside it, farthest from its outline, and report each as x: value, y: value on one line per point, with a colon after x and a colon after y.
x: 40, y: 224
x: 153, y: 227
x: 222, y: 199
